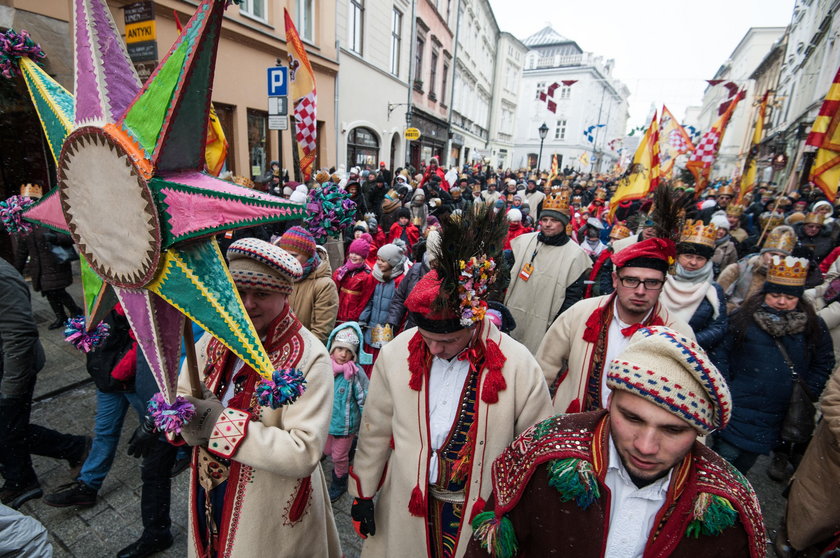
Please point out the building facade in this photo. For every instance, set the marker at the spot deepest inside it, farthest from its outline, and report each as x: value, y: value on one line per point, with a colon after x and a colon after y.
x: 374, y: 38
x: 431, y: 72
x: 737, y: 69
x: 253, y: 39
x: 510, y: 59
x: 576, y: 96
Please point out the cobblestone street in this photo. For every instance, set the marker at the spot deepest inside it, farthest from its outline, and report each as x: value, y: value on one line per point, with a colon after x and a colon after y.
x: 65, y: 401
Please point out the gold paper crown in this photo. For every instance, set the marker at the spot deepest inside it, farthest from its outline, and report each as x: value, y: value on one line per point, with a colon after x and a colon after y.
x: 380, y: 335
x: 600, y: 194
x: 322, y: 176
x: 244, y: 181
x: 814, y: 219
x: 735, y: 210
x: 557, y: 201
x: 619, y: 231
x: 697, y: 232
x: 31, y: 190
x: 771, y: 220
x: 726, y: 190
x: 788, y: 271
x: 782, y: 239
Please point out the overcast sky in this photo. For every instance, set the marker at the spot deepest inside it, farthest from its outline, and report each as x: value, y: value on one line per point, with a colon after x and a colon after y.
x: 663, y: 49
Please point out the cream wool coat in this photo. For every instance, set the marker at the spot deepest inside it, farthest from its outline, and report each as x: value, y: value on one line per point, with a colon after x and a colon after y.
x: 279, y: 450
x: 563, y: 346
x: 395, y: 411
x: 315, y: 299
x: 535, y: 303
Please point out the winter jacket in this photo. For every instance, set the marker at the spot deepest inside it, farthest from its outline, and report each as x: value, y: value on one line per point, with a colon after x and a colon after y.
x: 354, y: 291
x: 46, y: 272
x: 21, y: 353
x: 314, y: 300
x: 515, y: 229
x: 376, y: 311
x: 822, y: 243
x: 760, y: 383
x: 348, y: 403
x: 725, y: 254
x: 412, y: 233
x: 708, y: 330
x: 397, y: 311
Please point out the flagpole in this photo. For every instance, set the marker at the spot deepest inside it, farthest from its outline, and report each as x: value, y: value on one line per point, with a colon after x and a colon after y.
x: 767, y: 225
x: 295, y: 154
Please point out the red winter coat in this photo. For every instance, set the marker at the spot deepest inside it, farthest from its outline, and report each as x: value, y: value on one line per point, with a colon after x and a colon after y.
x: 438, y: 171
x: 354, y: 291
x: 515, y: 230
x: 412, y: 232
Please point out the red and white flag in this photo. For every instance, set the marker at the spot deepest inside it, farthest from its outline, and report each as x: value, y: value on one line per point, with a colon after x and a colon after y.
x: 304, y: 98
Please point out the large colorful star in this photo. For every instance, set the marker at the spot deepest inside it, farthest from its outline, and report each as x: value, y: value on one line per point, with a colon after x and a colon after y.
x: 133, y: 192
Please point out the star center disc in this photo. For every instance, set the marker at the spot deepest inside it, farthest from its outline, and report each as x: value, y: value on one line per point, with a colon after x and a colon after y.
x: 109, y: 208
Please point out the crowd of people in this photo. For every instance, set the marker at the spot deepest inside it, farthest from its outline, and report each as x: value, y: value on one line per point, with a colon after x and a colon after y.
x: 496, y: 363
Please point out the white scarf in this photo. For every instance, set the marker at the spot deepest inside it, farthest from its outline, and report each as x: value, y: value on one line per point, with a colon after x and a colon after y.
x: 682, y: 296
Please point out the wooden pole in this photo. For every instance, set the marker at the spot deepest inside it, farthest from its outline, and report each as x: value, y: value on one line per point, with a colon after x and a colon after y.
x: 192, y: 364
x: 295, y: 154
x: 766, y: 226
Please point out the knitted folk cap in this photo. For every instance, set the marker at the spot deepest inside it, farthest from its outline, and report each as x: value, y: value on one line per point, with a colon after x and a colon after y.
x: 299, y: 241
x: 674, y: 373
x: 360, y: 247
x: 257, y: 264
x: 347, y: 338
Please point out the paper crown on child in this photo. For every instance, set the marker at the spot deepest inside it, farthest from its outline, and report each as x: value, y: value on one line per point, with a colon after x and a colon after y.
x: 381, y: 335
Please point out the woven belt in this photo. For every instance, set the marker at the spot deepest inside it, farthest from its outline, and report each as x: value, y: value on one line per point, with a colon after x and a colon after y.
x: 348, y: 291
x: 446, y: 495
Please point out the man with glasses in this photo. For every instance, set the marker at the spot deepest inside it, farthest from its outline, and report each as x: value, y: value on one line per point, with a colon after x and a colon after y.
x: 584, y: 339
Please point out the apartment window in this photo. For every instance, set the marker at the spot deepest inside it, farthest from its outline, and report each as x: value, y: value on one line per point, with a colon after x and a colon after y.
x: 306, y: 19
x: 357, y: 25
x: 540, y: 88
x: 396, y: 32
x: 565, y: 92
x: 443, y: 81
x: 253, y: 8
x: 418, y: 63
x: 433, y: 74
x: 560, y: 130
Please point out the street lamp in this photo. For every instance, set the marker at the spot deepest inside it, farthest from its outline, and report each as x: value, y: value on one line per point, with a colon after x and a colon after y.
x: 543, y: 130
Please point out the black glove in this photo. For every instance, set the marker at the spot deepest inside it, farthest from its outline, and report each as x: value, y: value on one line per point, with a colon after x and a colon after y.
x: 144, y: 438
x: 362, y: 515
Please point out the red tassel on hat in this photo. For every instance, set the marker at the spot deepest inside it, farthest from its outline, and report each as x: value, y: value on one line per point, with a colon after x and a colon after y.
x: 417, y: 503
x: 494, y: 360
x: 477, y: 508
x: 416, y: 361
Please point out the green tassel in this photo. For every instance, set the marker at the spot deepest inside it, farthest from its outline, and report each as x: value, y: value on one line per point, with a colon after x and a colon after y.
x: 712, y: 516
x: 495, y: 535
x: 574, y: 479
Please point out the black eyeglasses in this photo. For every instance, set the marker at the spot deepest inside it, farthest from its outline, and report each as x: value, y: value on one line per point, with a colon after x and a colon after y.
x: 633, y: 282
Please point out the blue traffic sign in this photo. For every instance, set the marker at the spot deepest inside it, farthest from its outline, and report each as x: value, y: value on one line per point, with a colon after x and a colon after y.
x: 278, y: 81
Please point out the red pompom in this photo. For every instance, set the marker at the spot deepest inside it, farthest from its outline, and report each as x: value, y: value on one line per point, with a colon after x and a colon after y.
x: 477, y: 508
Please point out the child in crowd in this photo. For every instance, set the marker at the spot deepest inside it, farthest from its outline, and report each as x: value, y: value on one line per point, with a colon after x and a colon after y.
x: 353, y: 282
x: 351, y: 387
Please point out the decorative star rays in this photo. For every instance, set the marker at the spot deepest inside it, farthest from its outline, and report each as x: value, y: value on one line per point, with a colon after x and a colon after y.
x: 134, y: 197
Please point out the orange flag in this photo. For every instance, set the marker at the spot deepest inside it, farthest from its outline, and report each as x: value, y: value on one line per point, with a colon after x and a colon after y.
x: 748, y: 177
x: 304, y: 98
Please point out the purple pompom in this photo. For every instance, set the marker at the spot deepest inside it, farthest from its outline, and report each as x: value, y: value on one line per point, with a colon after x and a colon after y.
x: 170, y: 418
x: 76, y: 334
x: 11, y: 213
x: 13, y: 47
x: 285, y: 387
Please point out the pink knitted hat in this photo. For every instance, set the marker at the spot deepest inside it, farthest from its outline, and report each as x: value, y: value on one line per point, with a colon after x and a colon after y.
x: 360, y: 246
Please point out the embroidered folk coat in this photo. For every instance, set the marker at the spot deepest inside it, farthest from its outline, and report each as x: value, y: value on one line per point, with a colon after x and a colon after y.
x: 549, y: 492
x: 565, y: 350
x: 276, y: 500
x: 392, y: 457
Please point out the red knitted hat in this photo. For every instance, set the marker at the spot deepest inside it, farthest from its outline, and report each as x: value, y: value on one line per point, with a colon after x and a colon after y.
x: 655, y: 253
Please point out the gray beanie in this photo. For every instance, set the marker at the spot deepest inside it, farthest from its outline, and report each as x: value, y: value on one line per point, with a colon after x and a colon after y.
x: 391, y: 253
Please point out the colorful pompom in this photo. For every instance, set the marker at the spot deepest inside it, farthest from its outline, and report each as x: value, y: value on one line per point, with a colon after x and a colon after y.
x: 495, y: 535
x: 329, y: 212
x: 77, y: 335
x: 13, y: 47
x: 170, y: 418
x: 284, y: 388
x: 11, y: 213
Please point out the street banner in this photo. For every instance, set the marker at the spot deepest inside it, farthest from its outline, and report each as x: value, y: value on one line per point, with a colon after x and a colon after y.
x: 673, y: 142
x: 643, y: 174
x: 825, y: 136
x: 304, y: 98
